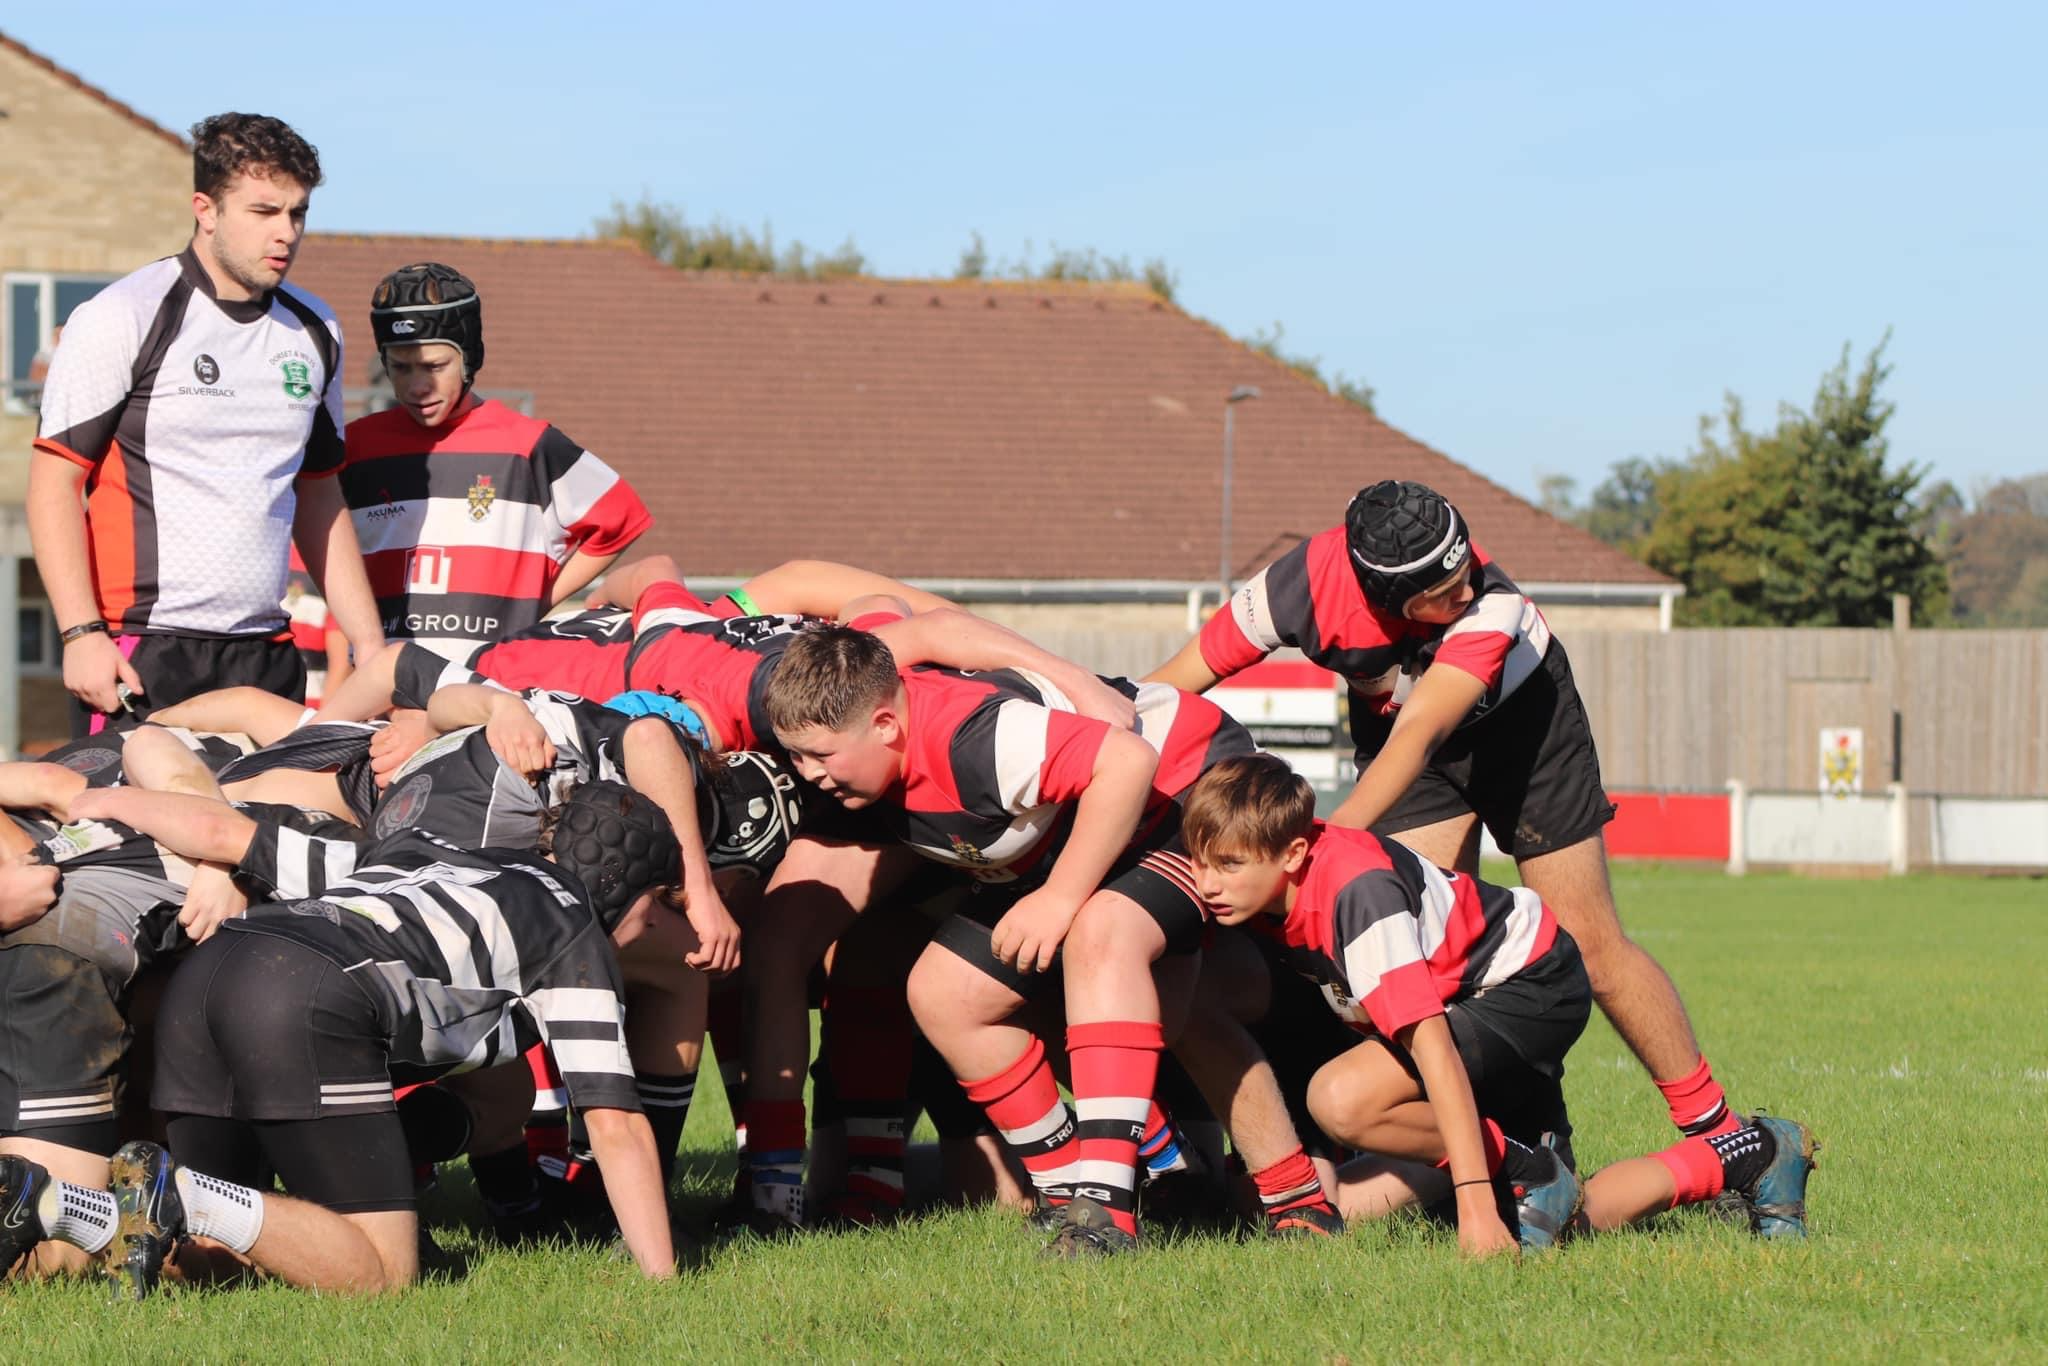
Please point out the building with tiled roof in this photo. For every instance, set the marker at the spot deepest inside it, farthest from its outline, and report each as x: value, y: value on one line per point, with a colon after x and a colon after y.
x: 1023, y: 442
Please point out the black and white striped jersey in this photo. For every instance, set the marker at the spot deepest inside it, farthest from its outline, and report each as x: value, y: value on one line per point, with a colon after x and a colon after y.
x: 469, y: 955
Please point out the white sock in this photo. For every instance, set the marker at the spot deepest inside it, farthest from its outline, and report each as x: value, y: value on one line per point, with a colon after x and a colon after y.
x: 78, y: 1215
x: 220, y: 1210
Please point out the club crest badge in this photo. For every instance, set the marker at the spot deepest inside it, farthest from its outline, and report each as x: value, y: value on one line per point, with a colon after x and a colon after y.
x: 481, y: 495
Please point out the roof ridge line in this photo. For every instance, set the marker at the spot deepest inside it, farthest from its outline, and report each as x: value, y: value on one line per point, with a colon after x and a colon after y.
x: 78, y: 82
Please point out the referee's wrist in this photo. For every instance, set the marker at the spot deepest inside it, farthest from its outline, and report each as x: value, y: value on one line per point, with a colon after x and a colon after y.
x: 79, y: 632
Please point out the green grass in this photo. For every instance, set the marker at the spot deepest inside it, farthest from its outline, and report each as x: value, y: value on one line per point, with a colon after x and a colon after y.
x: 1904, y: 1020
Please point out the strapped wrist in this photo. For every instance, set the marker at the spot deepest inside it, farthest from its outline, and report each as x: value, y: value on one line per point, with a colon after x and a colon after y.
x: 82, y: 630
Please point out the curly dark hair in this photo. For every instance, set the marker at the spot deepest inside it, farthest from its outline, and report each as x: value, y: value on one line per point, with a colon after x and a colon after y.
x: 227, y: 144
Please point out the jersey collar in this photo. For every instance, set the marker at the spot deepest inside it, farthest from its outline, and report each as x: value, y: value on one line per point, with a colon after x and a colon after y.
x: 237, y: 310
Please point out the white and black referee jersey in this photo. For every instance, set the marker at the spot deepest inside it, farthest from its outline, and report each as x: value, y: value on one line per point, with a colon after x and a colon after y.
x: 470, y: 956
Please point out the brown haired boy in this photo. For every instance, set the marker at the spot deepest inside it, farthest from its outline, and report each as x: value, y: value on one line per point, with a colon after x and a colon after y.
x: 1470, y: 995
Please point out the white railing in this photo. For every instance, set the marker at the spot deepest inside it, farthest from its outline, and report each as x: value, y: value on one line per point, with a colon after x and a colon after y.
x: 1811, y: 828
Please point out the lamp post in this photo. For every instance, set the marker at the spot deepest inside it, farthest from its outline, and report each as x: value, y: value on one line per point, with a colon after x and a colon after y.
x: 1237, y: 396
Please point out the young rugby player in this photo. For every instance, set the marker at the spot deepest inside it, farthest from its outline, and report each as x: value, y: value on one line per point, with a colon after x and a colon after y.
x: 397, y: 962
x: 1470, y: 996
x: 1463, y: 710
x: 1070, y: 828
x: 474, y: 520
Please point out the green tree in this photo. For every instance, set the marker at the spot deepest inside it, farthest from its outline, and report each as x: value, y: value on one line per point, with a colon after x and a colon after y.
x: 663, y: 232
x: 1998, y: 559
x: 1806, y: 524
x: 1623, y: 506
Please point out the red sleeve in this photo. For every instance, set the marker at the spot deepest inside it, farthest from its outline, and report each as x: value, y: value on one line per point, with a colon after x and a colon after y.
x: 1225, y: 648
x: 614, y: 522
x: 1478, y: 642
x: 665, y: 603
x: 1378, y: 945
x: 1071, y: 744
x: 1274, y: 607
x: 868, y: 621
x: 596, y: 510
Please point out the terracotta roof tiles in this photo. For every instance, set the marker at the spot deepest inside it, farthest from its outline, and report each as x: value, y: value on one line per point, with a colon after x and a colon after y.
x: 930, y: 429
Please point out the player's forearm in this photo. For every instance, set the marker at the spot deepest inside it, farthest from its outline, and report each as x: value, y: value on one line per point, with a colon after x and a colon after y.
x: 623, y: 1143
x: 1448, y: 1089
x: 262, y: 716
x: 366, y: 693
x: 197, y: 828
x: 657, y: 768
x: 821, y: 588
x: 30, y: 786
x: 56, y: 530
x: 577, y: 572
x: 1106, y: 817
x: 1187, y: 670
x: 327, y: 542
x: 468, y: 704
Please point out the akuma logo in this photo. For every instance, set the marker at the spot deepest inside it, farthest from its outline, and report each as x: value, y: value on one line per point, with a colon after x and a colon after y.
x: 204, y: 369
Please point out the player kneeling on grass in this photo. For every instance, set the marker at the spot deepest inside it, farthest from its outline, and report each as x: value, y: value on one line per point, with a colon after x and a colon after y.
x: 1470, y: 995
x: 402, y: 961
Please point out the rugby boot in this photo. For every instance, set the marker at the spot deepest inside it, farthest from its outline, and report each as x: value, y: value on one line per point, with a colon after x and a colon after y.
x: 1780, y: 1194
x: 1045, y: 1216
x: 1087, y: 1230
x: 152, y: 1218
x: 1308, y: 1222
x: 1544, y: 1213
x: 22, y: 1183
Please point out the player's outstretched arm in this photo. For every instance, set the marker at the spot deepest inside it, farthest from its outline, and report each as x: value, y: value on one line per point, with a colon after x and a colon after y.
x: 623, y: 1143
x: 1105, y: 818
x: 821, y: 588
x: 657, y: 768
x: 515, y: 735
x: 1187, y: 670
x: 957, y: 639
x: 194, y: 827
x: 1443, y: 698
x: 366, y: 693
x: 623, y: 587
x: 26, y: 785
x: 262, y: 716
x: 1449, y: 1089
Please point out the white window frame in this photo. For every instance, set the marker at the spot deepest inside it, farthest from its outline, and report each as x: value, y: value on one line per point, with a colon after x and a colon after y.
x: 46, y: 312
x: 49, y: 662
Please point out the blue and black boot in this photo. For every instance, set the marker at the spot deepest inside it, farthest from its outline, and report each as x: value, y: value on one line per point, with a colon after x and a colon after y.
x: 152, y: 1218
x: 1779, y: 1197
x: 1546, y: 1210
x: 22, y: 1183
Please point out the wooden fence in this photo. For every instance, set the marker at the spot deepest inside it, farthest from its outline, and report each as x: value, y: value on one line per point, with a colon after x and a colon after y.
x: 1689, y: 710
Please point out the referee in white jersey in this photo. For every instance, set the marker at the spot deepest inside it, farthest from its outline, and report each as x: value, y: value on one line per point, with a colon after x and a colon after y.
x: 191, y: 430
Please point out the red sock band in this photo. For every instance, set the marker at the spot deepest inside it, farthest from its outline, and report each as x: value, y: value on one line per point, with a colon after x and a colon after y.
x: 775, y: 1126
x: 1698, y: 1105
x: 1289, y: 1183
x: 1695, y: 1170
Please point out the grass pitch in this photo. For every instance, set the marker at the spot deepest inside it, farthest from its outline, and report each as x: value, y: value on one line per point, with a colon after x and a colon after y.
x: 1903, y: 1020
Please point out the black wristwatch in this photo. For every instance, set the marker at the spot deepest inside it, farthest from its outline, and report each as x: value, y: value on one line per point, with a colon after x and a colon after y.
x: 82, y: 630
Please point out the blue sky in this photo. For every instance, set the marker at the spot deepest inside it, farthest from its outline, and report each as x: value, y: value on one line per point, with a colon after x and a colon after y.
x: 1550, y: 238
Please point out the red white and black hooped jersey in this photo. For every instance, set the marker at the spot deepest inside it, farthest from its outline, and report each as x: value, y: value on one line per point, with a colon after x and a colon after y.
x: 464, y: 527
x: 469, y: 955
x: 457, y: 787
x: 682, y: 648
x: 1309, y: 598
x: 1392, y: 939
x: 996, y: 762
x: 192, y: 415
x: 310, y: 624
x: 673, y: 643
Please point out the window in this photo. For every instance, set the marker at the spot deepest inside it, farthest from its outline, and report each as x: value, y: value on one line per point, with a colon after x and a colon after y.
x: 36, y: 647
x: 36, y: 307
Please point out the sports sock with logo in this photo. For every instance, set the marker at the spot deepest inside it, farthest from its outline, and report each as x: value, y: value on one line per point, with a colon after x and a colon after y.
x: 1698, y: 1106
x: 220, y: 1210
x: 665, y: 1098
x: 1701, y: 1168
x: 1115, y: 1063
x: 1161, y: 1149
x: 78, y: 1215
x: 1023, y: 1102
